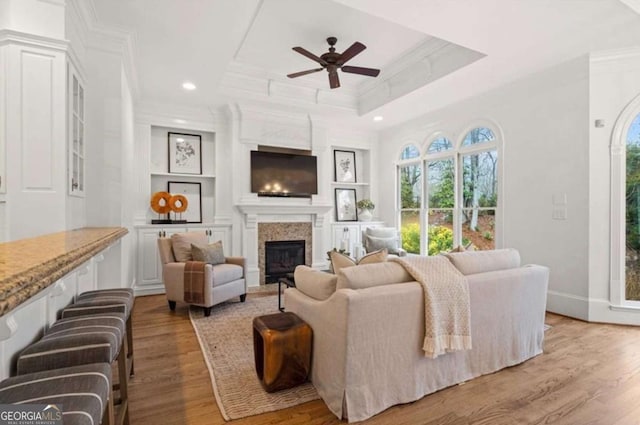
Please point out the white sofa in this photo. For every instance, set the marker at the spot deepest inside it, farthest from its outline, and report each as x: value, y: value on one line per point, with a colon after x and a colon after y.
x: 368, y: 325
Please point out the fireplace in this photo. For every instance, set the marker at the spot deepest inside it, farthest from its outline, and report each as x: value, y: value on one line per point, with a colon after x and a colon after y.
x: 282, y: 257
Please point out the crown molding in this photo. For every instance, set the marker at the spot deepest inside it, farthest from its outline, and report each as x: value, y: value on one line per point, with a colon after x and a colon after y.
x: 16, y: 37
x: 248, y: 82
x: 432, y: 59
x: 177, y: 116
x: 614, y: 55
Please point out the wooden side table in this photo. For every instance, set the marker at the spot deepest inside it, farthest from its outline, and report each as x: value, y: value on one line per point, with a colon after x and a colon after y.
x: 282, y: 350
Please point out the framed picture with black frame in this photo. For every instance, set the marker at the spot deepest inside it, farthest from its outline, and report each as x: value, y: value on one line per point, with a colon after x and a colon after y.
x: 346, y: 205
x: 193, y: 193
x: 344, y: 166
x: 185, y: 153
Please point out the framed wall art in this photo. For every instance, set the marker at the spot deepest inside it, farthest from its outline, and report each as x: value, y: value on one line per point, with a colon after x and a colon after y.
x: 185, y: 153
x: 191, y: 191
x: 344, y: 163
x: 346, y: 205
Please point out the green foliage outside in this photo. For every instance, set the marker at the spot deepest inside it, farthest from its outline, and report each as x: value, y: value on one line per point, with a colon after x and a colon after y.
x: 411, y: 237
x: 440, y: 238
x: 633, y: 196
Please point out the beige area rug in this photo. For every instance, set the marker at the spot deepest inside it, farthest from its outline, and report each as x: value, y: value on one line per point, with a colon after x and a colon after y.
x: 226, y: 338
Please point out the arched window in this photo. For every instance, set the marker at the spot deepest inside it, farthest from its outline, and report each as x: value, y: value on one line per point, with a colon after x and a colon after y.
x: 460, y: 190
x: 632, y: 204
x: 478, y: 135
x: 440, y: 166
x: 409, y: 152
x: 440, y: 144
x: 410, y: 197
x: 478, y: 163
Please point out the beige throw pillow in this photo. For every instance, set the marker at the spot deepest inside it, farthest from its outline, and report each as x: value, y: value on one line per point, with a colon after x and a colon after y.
x: 361, y: 277
x: 314, y: 283
x: 181, y: 243
x: 211, y: 254
x: 339, y: 260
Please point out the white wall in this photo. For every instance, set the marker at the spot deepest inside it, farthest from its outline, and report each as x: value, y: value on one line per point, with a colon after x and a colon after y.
x: 544, y: 122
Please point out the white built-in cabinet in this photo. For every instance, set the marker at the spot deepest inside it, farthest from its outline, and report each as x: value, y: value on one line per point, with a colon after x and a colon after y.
x: 149, y: 267
x: 76, y: 131
x: 351, y: 231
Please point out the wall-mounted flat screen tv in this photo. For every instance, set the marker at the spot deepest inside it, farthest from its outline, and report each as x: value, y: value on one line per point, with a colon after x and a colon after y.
x: 283, y: 174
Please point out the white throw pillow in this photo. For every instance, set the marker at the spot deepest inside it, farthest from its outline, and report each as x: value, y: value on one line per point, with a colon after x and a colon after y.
x: 373, y: 243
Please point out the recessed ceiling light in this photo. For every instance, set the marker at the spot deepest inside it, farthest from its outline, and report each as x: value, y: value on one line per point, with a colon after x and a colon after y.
x: 378, y: 118
x: 179, y: 121
x: 188, y: 85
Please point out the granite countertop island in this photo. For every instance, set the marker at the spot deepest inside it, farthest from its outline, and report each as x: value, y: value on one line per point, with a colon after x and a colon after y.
x: 28, y: 266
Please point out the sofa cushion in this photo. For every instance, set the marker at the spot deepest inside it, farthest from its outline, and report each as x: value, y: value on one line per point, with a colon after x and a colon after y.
x: 225, y: 273
x: 211, y: 254
x: 314, y: 283
x: 472, y: 262
x: 181, y: 243
x: 339, y: 260
x: 372, y: 275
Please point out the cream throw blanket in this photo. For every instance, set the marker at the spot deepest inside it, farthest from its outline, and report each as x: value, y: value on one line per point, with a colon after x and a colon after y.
x: 446, y: 303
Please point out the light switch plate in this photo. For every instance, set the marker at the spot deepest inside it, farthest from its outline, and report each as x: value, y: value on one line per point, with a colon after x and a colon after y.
x: 559, y: 214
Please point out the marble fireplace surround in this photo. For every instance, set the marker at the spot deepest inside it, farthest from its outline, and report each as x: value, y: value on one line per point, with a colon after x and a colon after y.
x: 289, y: 217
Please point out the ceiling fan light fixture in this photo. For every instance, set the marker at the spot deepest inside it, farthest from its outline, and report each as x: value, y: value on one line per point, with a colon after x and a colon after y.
x: 333, y: 61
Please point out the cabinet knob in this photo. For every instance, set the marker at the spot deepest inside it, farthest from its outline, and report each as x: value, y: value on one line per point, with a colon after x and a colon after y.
x: 160, y: 234
x: 164, y: 234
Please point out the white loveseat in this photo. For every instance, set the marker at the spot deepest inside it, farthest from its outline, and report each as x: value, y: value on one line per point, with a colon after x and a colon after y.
x: 368, y: 325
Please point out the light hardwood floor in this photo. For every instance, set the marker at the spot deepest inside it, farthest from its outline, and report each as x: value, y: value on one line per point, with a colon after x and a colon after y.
x: 588, y: 374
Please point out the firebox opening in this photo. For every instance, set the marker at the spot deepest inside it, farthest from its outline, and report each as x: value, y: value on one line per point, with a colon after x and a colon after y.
x: 282, y: 257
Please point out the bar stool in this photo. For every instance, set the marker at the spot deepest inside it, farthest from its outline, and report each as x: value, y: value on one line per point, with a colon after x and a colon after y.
x: 81, y: 391
x: 96, y: 338
x: 103, y: 301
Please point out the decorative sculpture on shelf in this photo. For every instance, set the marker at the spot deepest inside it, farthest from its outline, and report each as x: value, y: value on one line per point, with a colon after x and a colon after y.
x: 164, y: 203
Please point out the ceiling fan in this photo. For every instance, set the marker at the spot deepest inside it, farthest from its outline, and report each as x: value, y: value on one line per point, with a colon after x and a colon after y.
x: 332, y: 61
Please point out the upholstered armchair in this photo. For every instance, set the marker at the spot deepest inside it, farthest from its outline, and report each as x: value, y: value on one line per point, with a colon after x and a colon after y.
x: 221, y: 281
x: 375, y: 238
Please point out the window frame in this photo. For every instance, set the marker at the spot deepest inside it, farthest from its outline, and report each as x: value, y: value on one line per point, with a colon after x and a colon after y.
x: 618, y: 207
x: 457, y: 152
x: 77, y: 158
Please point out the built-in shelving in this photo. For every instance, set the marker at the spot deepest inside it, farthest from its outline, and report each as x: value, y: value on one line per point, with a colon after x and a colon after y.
x: 349, y: 184
x: 199, y: 176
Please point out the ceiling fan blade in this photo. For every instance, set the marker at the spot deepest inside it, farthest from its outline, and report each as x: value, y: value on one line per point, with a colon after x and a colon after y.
x: 371, y: 72
x: 310, y: 55
x: 334, y: 81
x: 355, y: 48
x: 301, y: 73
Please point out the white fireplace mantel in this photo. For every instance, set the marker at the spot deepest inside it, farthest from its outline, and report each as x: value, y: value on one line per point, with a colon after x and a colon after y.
x: 251, y: 212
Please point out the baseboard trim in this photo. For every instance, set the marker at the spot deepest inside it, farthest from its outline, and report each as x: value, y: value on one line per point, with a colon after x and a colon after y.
x: 568, y: 305
x: 141, y: 291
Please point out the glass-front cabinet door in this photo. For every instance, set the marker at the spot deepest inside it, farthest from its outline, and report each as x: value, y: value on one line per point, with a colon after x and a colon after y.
x: 76, y: 169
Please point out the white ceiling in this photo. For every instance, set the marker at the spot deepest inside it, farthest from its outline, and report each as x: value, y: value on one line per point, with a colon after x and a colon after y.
x: 199, y: 40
